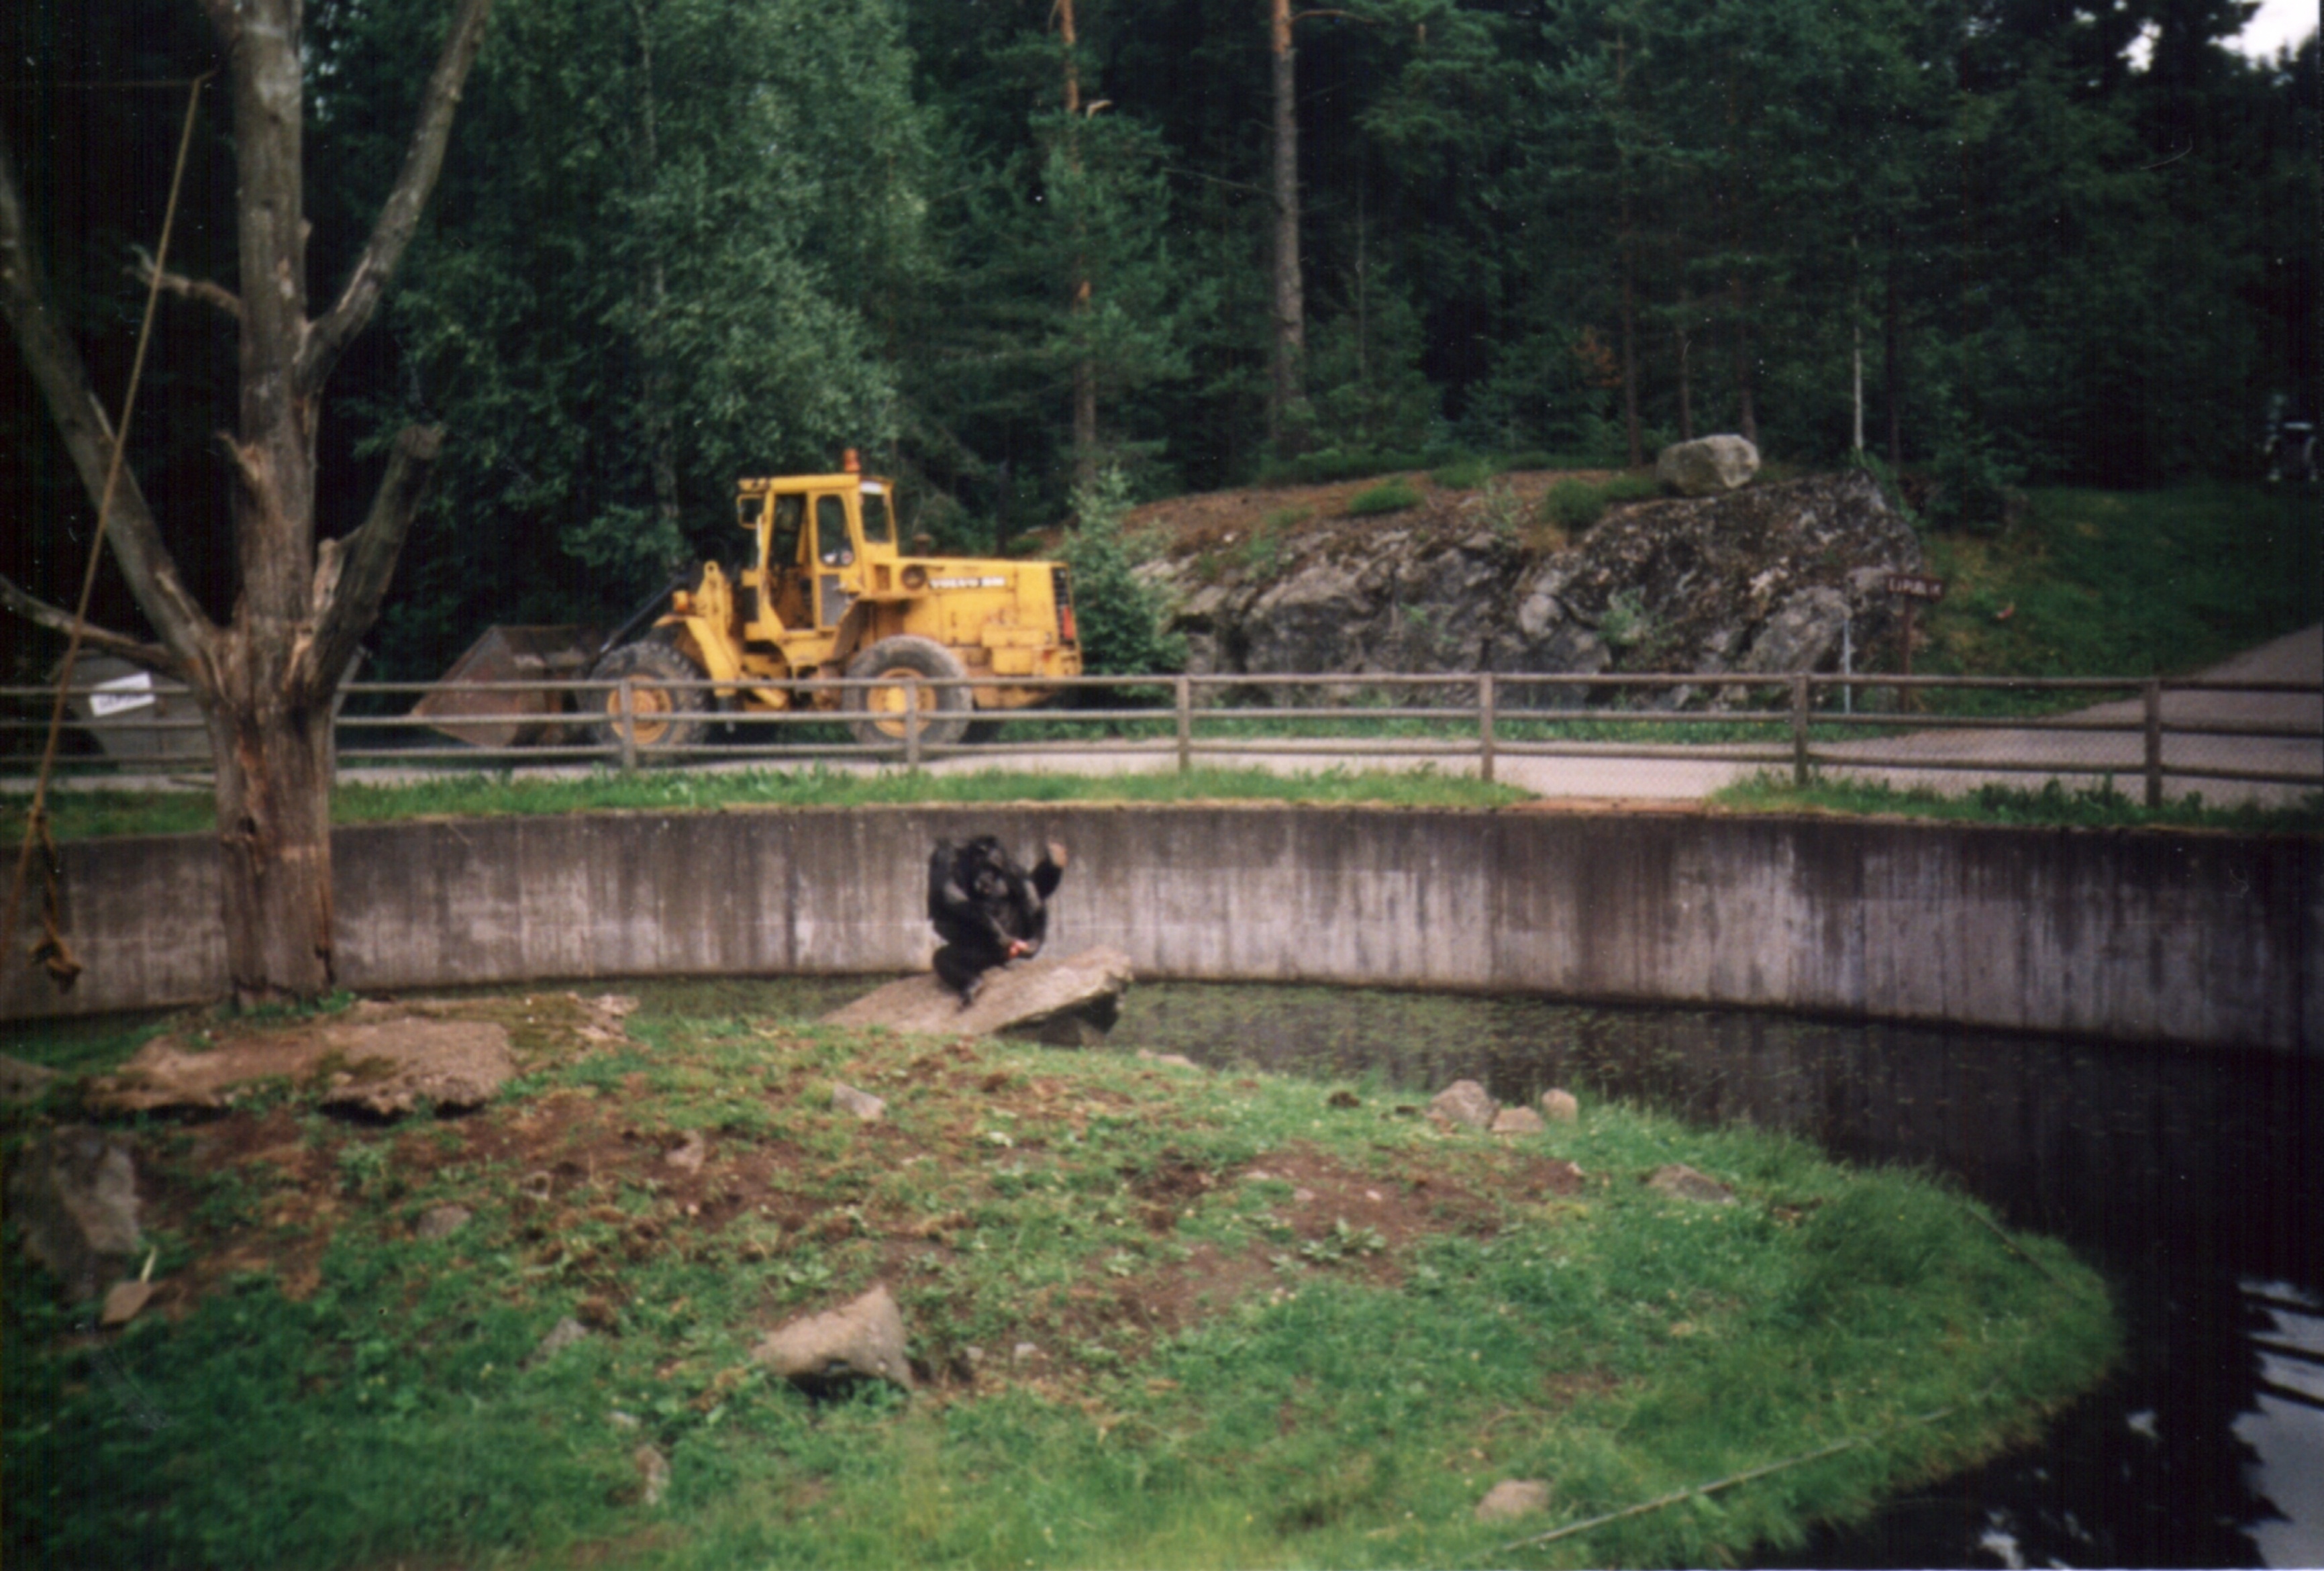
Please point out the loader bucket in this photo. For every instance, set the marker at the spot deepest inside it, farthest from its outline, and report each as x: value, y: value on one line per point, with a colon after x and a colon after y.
x: 496, y: 718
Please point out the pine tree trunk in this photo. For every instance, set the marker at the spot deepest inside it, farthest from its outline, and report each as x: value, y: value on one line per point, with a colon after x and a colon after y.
x: 1286, y: 403
x: 1892, y: 352
x: 1085, y: 367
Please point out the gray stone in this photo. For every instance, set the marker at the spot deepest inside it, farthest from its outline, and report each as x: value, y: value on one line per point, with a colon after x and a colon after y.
x: 863, y: 1105
x: 862, y: 1339
x: 442, y: 1222
x: 74, y: 1192
x: 21, y: 1082
x: 1513, y: 1498
x: 1518, y: 1121
x: 689, y: 1157
x: 1561, y: 1106
x: 1802, y: 634
x: 1681, y: 1182
x: 565, y: 1334
x: 1176, y: 1060
x: 1707, y: 466
x: 1024, y: 996
x: 653, y: 1473
x: 1464, y: 1103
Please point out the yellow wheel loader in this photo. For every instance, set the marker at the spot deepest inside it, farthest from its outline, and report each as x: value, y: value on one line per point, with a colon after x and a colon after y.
x: 827, y: 593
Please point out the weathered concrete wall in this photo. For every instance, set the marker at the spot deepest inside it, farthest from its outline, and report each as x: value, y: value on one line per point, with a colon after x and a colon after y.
x: 2191, y: 939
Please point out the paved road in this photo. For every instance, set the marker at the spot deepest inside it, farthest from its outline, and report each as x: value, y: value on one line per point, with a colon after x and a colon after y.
x: 1946, y: 759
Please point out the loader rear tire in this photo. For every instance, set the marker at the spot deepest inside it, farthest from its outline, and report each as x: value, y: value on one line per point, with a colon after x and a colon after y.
x: 876, y: 715
x: 666, y: 711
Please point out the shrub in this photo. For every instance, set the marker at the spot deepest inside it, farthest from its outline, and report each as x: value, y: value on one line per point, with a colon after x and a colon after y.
x: 1120, y: 615
x: 1393, y: 497
x: 1573, y: 506
x: 1464, y: 473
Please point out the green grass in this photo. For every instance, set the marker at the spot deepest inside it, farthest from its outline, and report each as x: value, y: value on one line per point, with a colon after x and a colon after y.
x: 1389, y: 497
x: 2130, y: 584
x: 2099, y: 806
x: 1224, y: 1373
x: 1574, y: 505
x: 90, y: 814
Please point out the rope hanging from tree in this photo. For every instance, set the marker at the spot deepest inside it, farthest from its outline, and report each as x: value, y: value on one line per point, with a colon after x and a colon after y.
x: 52, y: 953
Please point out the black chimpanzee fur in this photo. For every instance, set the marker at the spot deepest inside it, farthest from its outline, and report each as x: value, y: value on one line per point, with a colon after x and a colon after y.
x: 987, y: 911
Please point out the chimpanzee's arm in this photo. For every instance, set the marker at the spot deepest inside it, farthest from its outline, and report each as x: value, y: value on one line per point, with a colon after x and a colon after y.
x: 1051, y: 870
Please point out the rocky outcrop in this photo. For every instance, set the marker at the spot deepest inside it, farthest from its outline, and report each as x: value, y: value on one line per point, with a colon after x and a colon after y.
x: 1760, y: 582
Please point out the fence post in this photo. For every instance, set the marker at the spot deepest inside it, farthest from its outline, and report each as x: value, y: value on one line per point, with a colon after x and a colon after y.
x: 1799, y: 731
x: 1486, y: 705
x: 1183, y: 697
x: 2152, y: 694
x: 629, y: 731
x: 911, y: 722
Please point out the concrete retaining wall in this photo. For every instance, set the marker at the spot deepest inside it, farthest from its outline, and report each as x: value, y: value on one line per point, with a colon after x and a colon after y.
x: 2197, y: 939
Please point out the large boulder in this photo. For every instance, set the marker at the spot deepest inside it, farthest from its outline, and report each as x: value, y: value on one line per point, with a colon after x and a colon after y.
x: 1069, y: 1002
x: 1707, y: 466
x: 73, y: 1191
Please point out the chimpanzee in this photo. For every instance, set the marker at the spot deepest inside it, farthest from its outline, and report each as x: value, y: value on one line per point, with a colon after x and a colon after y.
x: 987, y: 911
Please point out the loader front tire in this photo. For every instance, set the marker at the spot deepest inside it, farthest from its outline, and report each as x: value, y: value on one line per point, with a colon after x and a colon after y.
x: 876, y: 715
x: 666, y: 711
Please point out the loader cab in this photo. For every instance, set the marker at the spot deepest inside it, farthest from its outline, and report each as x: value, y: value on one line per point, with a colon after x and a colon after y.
x: 818, y: 538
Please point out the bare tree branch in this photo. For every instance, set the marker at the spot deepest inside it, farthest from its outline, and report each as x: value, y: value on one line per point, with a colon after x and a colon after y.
x: 55, y: 366
x: 399, y: 219
x: 351, y: 575
x: 202, y: 289
x: 40, y: 612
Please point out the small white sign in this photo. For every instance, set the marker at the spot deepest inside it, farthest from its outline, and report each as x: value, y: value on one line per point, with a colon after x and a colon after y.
x: 994, y: 582
x: 133, y: 691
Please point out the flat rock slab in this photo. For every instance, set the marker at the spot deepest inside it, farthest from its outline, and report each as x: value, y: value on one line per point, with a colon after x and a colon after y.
x: 1059, y: 1001
x: 383, y: 1067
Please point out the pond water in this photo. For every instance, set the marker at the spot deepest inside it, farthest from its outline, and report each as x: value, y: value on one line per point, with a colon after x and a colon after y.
x: 2194, y: 1181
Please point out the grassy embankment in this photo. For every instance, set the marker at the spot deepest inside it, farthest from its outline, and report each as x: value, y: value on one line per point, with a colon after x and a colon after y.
x: 1162, y: 1317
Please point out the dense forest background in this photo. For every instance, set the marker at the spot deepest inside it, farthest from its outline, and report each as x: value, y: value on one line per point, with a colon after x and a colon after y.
x: 998, y: 245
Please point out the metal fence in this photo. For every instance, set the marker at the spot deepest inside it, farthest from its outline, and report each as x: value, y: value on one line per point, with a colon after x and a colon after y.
x: 2260, y: 738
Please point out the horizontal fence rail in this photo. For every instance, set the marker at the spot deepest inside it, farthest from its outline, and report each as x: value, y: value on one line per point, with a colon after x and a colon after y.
x: 2253, y: 733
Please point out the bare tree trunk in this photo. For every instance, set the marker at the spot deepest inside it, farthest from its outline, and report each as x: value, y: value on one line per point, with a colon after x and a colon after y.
x: 265, y: 680
x: 1628, y: 243
x: 1685, y: 365
x: 1288, y: 416
x: 1747, y: 419
x: 661, y: 426
x: 1084, y: 368
x: 1893, y: 353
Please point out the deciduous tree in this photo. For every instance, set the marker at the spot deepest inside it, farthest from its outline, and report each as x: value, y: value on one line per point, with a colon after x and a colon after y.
x: 265, y: 675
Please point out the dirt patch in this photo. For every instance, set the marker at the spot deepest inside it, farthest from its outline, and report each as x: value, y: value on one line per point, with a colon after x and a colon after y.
x: 1221, y: 521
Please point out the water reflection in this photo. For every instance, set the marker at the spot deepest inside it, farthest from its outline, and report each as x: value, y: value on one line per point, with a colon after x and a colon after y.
x: 2195, y: 1179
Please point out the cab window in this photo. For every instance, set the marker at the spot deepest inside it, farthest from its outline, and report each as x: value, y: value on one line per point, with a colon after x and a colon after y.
x: 878, y: 529
x: 831, y: 531
x: 783, y: 544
